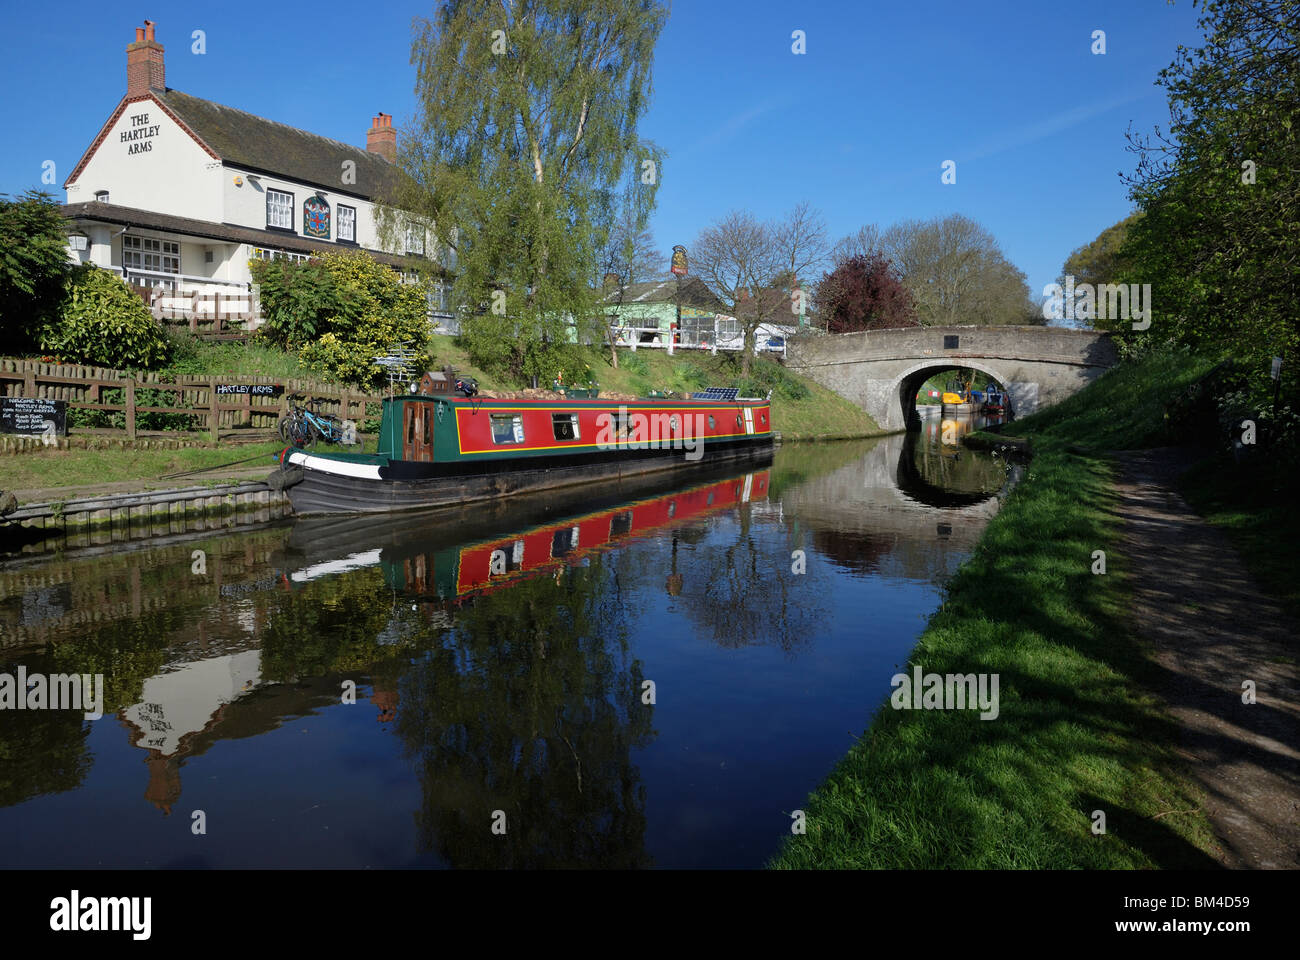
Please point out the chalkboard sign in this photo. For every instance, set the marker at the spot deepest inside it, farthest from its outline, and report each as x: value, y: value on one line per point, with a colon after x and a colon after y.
x: 33, y: 416
x: 254, y: 389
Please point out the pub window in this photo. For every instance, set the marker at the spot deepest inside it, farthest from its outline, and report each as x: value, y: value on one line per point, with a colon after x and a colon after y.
x: 565, y: 426
x: 150, y: 254
x: 950, y: 342
x: 279, y: 209
x: 348, y: 223
x: 101, y: 196
x: 507, y: 428
x: 316, y: 218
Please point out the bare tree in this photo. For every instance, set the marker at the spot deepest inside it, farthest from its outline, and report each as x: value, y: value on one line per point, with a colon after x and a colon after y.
x: 800, y: 239
x: 956, y: 272
x: 739, y: 259
x: 866, y: 242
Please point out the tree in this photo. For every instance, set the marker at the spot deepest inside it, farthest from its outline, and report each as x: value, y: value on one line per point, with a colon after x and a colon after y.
x: 957, y: 273
x: 1220, y: 191
x: 865, y: 292
x: 629, y: 256
x: 753, y: 266
x: 1101, y: 260
x: 525, y: 137
x: 33, y: 267
x: 800, y: 239
x: 865, y: 242
x: 738, y: 260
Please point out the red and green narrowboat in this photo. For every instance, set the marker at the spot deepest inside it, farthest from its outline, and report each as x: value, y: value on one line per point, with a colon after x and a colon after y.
x: 438, y: 448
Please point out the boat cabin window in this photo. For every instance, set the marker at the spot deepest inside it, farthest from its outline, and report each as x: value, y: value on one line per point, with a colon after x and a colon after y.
x: 427, y: 438
x: 507, y: 428
x: 564, y: 541
x: 410, y: 429
x: 620, y: 524
x: 565, y: 426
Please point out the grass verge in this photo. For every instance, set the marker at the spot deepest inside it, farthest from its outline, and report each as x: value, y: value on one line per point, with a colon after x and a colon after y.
x: 74, y: 468
x: 1077, y: 730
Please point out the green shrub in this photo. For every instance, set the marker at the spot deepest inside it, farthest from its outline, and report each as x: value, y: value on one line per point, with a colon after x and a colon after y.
x: 341, y: 310
x: 33, y: 267
x: 104, y: 323
x: 634, y: 363
x: 298, y: 299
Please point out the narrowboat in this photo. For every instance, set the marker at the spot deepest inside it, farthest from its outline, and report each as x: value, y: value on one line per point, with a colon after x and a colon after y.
x: 442, y: 447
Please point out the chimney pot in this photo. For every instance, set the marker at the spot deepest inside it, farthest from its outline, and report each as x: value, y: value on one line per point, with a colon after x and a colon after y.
x: 144, y: 63
x: 381, y: 138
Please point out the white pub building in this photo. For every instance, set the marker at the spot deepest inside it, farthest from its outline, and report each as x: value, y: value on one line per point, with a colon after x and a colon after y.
x: 178, y: 193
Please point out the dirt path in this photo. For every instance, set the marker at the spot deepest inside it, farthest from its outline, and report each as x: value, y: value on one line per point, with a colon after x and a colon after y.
x: 1211, y: 629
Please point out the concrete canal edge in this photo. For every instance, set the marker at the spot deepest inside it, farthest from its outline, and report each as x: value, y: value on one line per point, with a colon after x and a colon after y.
x: 151, y: 508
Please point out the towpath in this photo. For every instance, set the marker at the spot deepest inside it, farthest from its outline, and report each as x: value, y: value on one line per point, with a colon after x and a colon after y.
x: 1211, y: 629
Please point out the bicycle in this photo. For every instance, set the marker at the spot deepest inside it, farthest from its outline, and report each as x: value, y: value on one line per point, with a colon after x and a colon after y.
x: 303, y: 426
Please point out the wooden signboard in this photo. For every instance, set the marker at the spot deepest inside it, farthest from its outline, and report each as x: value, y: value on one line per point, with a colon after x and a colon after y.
x: 33, y: 416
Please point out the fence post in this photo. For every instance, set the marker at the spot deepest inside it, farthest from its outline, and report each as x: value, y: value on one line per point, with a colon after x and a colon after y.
x: 213, y: 411
x: 29, y: 380
x: 130, y: 408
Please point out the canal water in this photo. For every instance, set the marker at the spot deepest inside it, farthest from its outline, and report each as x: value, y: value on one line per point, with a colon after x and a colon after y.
x: 653, y: 676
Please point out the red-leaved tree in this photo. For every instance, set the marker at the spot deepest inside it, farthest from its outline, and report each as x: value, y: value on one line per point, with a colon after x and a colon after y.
x: 865, y: 292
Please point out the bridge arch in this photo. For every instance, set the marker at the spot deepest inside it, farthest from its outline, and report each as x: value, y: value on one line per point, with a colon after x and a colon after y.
x: 907, y: 383
x: 1036, y: 365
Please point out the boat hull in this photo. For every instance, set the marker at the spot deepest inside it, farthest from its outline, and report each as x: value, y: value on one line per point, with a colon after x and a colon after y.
x: 328, y: 487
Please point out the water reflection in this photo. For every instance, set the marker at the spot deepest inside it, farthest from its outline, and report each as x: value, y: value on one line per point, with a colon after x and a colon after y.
x: 632, y: 677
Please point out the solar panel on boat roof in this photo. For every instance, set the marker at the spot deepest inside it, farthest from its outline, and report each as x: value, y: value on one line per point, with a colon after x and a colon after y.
x: 716, y: 393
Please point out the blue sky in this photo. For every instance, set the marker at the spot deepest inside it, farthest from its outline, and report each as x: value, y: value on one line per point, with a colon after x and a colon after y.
x: 859, y: 125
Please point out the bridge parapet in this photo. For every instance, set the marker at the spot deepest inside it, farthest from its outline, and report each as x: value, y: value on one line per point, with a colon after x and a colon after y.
x: 881, y: 370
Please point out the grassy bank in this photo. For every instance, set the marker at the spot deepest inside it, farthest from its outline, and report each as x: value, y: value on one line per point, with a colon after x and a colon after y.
x: 800, y: 409
x: 73, y: 468
x: 1076, y: 732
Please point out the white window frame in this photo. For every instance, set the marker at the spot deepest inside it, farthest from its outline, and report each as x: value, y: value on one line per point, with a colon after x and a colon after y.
x: 277, y: 207
x: 150, y: 253
x: 343, y: 232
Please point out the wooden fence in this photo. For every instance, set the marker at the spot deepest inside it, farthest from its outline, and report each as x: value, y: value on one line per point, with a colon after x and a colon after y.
x: 85, y: 387
x: 207, y: 315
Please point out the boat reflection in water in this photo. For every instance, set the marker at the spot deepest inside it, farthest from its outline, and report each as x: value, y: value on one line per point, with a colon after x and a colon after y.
x: 456, y: 573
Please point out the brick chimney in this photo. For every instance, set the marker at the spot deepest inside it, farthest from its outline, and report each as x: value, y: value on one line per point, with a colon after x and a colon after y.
x: 381, y: 138
x: 144, y: 63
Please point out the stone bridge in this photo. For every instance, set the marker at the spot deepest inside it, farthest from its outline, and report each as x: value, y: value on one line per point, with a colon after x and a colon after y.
x: 881, y: 370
